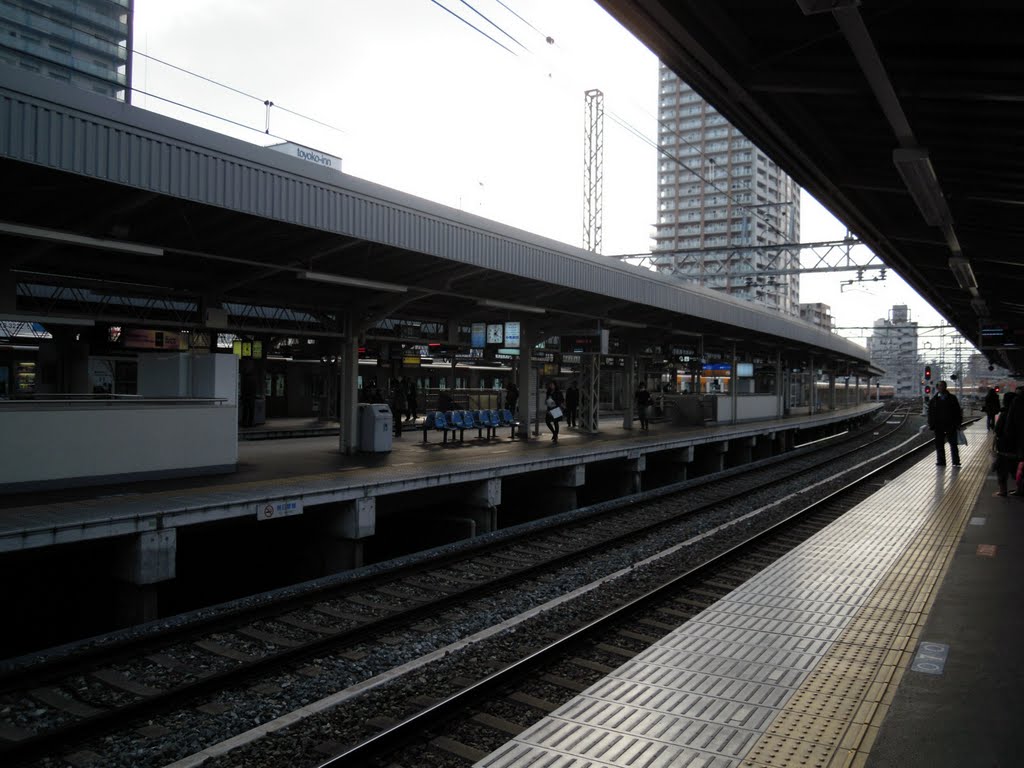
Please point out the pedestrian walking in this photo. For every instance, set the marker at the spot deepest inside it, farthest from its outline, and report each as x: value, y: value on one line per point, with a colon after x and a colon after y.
x: 553, y: 400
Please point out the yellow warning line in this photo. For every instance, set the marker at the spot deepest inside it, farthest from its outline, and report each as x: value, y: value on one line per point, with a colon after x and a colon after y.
x: 833, y: 719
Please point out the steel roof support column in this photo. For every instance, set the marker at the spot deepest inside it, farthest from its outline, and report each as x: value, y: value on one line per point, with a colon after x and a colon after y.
x: 348, y: 382
x: 590, y: 393
x: 780, y: 387
x: 629, y: 385
x: 525, y: 377
x: 734, y: 385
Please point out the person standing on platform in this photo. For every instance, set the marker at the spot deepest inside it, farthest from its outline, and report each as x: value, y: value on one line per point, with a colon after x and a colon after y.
x: 1005, y: 446
x: 643, y: 404
x: 572, y: 403
x: 511, y: 397
x: 991, y: 407
x: 411, y: 404
x: 554, y: 401
x: 944, y: 419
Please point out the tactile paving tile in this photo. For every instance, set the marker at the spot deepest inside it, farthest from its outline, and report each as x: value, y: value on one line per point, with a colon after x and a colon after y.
x: 796, y: 667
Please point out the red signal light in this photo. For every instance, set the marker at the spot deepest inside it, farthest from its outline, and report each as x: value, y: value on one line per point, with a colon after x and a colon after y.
x: 927, y: 390
x: 927, y: 373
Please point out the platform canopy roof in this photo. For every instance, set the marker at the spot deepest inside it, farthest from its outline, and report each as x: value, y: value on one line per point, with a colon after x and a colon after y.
x: 904, y: 117
x: 119, y: 215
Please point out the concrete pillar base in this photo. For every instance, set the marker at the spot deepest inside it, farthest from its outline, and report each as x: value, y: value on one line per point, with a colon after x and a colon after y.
x: 482, y: 506
x: 140, y: 562
x: 763, y: 447
x: 136, y: 604
x: 561, y: 495
x: 741, y: 451
x: 344, y: 526
x: 714, y: 457
x: 680, y: 462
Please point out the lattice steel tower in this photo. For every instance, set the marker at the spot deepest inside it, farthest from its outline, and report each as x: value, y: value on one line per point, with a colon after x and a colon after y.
x: 593, y: 168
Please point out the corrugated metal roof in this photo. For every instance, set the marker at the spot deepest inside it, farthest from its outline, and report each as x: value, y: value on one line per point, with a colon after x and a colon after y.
x: 59, y: 127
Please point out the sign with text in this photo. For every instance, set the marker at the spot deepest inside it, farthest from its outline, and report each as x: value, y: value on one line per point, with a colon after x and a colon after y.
x: 270, y: 510
x: 512, y: 333
x: 478, y: 335
x: 138, y: 338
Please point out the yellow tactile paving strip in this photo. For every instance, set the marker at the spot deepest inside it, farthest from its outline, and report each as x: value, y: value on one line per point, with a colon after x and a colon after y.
x: 833, y: 718
x: 798, y: 667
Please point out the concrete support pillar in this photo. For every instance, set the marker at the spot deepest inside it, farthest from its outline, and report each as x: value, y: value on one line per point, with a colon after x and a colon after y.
x: 562, y: 494
x: 680, y: 462
x: 632, y: 478
x: 141, y: 562
x: 741, y: 451
x: 763, y: 447
x: 856, y: 390
x: 482, y: 505
x: 714, y: 457
x: 832, y: 390
x: 784, y: 441
x: 345, y: 525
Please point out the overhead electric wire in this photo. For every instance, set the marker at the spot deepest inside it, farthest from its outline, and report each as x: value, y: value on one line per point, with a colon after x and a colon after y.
x: 235, y: 90
x: 473, y: 26
x: 506, y: 34
x: 626, y: 124
x: 546, y: 37
x: 228, y: 120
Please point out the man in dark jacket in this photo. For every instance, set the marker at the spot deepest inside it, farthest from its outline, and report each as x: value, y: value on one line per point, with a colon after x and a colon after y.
x: 991, y: 407
x: 944, y: 418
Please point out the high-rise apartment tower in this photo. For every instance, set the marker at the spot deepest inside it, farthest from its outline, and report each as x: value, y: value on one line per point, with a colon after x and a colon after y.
x: 717, y: 190
x: 87, y: 43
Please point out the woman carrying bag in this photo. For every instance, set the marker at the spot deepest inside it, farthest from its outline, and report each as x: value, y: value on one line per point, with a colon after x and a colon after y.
x: 554, y: 401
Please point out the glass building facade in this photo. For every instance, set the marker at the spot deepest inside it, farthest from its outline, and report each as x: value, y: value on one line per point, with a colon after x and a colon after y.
x: 87, y: 43
x: 717, y: 190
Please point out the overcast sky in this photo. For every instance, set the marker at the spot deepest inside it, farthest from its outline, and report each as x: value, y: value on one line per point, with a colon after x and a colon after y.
x: 419, y: 101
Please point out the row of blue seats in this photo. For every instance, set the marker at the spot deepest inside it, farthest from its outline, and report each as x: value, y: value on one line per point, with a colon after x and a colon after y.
x: 460, y: 421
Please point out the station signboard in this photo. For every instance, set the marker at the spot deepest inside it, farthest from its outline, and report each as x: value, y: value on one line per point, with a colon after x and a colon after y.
x: 478, y: 335
x: 512, y: 334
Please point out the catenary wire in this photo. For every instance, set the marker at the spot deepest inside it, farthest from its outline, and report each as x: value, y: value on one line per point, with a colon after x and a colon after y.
x: 473, y: 26
x: 493, y: 24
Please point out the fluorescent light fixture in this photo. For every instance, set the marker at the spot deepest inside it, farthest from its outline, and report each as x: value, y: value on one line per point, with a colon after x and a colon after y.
x: 980, y: 307
x: 963, y: 273
x: 622, y: 323
x: 353, y: 282
x: 47, y: 319
x: 67, y: 238
x: 918, y: 174
x: 511, y: 306
x: 811, y: 7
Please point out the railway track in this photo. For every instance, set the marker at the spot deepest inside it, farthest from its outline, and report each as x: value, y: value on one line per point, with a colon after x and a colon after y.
x: 79, y: 696
x: 471, y: 722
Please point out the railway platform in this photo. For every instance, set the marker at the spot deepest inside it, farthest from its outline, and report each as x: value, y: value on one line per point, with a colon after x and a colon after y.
x: 883, y: 640
x: 297, y: 509
x: 310, y: 472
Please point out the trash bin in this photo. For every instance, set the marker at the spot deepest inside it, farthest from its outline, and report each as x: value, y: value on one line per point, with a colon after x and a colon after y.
x: 375, y: 425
